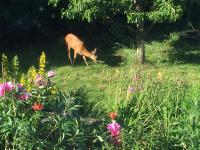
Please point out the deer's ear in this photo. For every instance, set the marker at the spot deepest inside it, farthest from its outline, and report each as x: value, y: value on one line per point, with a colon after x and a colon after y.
x: 94, y: 51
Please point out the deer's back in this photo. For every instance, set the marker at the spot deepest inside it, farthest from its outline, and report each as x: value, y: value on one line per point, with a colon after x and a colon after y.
x: 74, y: 42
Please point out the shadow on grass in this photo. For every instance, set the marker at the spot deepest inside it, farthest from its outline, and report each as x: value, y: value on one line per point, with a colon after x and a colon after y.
x: 187, y: 48
x: 99, y: 36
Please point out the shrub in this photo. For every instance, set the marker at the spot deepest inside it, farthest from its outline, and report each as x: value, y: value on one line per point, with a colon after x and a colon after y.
x: 35, y: 114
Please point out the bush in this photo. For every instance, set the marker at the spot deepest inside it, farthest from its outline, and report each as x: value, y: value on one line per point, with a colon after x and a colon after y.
x: 37, y: 115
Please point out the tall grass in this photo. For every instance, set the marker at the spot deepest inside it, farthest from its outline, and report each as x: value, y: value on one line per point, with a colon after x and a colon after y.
x: 162, y: 114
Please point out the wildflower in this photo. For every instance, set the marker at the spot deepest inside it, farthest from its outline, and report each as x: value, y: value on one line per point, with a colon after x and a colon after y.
x: 2, y: 89
x: 114, y: 128
x: 22, y: 93
x: 5, y: 67
x: 31, y: 74
x: 37, y: 106
x: 23, y: 79
x: 20, y: 88
x: 15, y: 67
x: 6, y: 87
x: 51, y: 74
x: 23, y: 96
x: 42, y: 63
x: 9, y: 86
x: 39, y: 81
x: 53, y: 92
x: 113, y: 115
x: 159, y: 76
x: 131, y: 89
x: 136, y: 77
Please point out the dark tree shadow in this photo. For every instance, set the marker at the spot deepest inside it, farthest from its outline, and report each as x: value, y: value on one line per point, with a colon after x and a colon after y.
x: 187, y: 48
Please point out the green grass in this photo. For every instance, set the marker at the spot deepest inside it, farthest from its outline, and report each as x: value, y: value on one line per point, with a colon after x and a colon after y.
x: 107, y: 81
x: 161, y: 113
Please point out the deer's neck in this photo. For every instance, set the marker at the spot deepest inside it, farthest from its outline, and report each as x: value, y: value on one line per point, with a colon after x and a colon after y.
x: 87, y: 53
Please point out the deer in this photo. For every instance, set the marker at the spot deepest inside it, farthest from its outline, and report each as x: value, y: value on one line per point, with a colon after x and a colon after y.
x: 73, y: 42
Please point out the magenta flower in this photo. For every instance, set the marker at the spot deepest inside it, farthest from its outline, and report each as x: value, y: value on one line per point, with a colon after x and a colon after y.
x: 114, y: 128
x: 51, y: 74
x: 2, y: 89
x: 6, y: 87
x: 9, y: 86
x: 23, y: 96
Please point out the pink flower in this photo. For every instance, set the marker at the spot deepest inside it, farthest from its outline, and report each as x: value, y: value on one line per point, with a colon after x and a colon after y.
x: 2, y: 89
x: 23, y: 96
x: 131, y: 89
x: 39, y: 81
x: 114, y: 128
x: 9, y: 86
x: 6, y: 87
x: 51, y: 74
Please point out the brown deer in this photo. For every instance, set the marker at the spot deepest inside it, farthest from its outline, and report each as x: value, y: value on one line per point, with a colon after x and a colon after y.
x: 78, y: 46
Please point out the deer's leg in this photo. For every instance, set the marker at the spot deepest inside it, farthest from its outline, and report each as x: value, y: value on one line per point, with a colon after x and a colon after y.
x: 84, y: 58
x: 69, y: 54
x: 75, y: 54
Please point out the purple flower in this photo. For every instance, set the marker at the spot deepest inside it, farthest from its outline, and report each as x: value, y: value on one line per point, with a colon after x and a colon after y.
x: 131, y: 89
x: 23, y: 96
x: 51, y: 74
x: 20, y: 88
x: 114, y: 128
x: 22, y: 93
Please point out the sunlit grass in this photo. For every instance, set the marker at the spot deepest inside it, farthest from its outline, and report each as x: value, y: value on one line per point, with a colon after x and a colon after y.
x: 108, y: 80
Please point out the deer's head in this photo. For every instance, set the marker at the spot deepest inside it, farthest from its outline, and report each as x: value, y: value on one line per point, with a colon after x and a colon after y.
x: 94, y: 55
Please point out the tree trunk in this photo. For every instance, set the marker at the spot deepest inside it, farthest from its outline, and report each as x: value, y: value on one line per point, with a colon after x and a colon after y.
x: 140, y: 36
x: 140, y: 44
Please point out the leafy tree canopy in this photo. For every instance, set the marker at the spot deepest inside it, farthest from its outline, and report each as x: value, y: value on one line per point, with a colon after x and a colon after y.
x: 136, y: 11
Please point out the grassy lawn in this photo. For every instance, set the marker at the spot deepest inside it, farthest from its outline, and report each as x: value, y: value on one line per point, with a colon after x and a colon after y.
x: 157, y: 103
x: 109, y: 80
x: 107, y: 84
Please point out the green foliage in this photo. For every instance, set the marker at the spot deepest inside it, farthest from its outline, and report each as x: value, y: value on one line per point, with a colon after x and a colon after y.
x: 136, y: 12
x: 15, y: 68
x: 10, y: 70
x: 31, y: 76
x: 5, y: 67
x: 60, y: 124
x: 166, y: 10
x: 161, y: 114
x: 90, y: 10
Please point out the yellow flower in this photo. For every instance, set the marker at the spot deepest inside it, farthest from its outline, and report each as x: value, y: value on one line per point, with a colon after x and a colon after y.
x: 53, y: 92
x: 159, y: 76
x: 23, y: 79
x: 31, y: 74
x: 42, y: 64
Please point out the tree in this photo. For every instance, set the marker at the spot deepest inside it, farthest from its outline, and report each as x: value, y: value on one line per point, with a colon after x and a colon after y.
x: 137, y: 12
x: 189, y: 5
